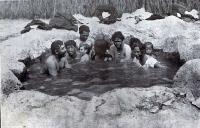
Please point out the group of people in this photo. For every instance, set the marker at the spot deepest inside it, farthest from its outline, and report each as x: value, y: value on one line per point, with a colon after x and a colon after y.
x: 82, y: 50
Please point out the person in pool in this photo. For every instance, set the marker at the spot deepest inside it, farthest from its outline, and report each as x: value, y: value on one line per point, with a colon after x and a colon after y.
x: 55, y: 60
x: 84, y: 52
x: 84, y: 32
x: 136, y: 48
x: 136, y: 55
x: 149, y: 59
x: 72, y: 55
x: 119, y: 51
x: 100, y: 49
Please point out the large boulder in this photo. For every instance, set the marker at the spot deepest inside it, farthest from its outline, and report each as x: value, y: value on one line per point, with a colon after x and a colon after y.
x: 188, y: 77
x: 123, y: 108
x: 9, y: 82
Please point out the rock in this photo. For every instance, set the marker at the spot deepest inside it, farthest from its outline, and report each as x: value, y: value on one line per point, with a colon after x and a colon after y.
x: 123, y: 108
x: 9, y: 82
x: 188, y: 77
x: 188, y: 48
x: 197, y: 103
x: 34, y: 109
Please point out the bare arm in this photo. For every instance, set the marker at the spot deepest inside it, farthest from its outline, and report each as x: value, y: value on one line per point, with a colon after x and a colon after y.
x: 158, y: 65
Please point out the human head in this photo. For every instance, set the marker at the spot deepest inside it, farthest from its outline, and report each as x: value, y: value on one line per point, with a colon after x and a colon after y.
x: 71, y: 47
x: 84, y: 32
x: 135, y: 42
x: 148, y: 48
x: 136, y: 52
x: 58, y: 48
x: 100, y: 47
x: 118, y: 38
x: 84, y: 49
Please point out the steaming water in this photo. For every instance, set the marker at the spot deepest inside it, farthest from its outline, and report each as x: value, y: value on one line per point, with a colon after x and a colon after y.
x: 87, y: 80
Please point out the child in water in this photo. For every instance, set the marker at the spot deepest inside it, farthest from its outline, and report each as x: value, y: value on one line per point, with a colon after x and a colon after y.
x: 148, y: 57
x: 136, y: 56
x: 84, y: 51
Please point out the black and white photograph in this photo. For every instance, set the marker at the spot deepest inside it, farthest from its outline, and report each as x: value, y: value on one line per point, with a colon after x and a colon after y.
x: 100, y: 63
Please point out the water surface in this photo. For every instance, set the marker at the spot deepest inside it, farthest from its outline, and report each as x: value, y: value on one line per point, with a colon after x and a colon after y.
x: 87, y: 80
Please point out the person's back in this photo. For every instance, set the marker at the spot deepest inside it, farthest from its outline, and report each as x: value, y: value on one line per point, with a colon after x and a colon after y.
x: 100, y: 48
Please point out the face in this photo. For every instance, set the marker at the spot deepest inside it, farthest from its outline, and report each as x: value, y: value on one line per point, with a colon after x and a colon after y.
x: 148, y: 49
x: 136, y: 51
x: 71, y: 50
x: 84, y: 36
x: 62, y: 50
x: 118, y: 43
x: 82, y: 50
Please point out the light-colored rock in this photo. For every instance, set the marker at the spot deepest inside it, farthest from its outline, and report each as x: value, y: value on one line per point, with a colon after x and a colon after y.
x: 122, y: 108
x: 197, y: 103
x: 9, y: 82
x: 189, y: 72
x: 188, y: 78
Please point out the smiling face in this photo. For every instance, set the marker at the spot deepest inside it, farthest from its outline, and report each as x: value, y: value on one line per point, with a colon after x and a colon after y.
x: 118, y: 43
x: 84, y: 35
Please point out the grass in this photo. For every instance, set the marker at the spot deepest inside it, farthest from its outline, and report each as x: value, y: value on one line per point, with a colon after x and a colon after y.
x: 47, y: 8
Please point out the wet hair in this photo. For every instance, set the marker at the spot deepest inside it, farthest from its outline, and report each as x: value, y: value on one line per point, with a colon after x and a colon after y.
x: 83, y: 28
x: 56, y: 46
x: 70, y: 42
x: 117, y: 34
x: 135, y: 42
x: 86, y: 46
x: 100, y: 47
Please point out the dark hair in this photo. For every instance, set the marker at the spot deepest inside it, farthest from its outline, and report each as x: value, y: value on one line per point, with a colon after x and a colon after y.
x: 86, y: 46
x: 135, y: 42
x: 100, y: 47
x: 70, y: 42
x: 117, y: 34
x: 56, y: 46
x: 84, y: 28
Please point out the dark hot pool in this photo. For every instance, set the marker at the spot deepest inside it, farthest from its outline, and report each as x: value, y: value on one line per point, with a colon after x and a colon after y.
x: 87, y: 80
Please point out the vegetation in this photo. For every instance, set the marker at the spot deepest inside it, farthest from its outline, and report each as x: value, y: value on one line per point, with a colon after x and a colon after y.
x: 47, y: 8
